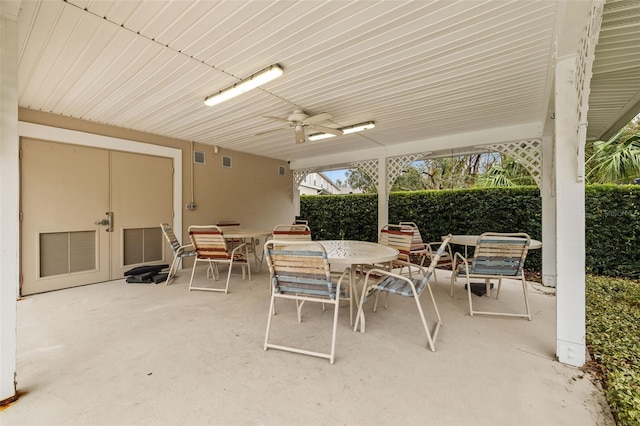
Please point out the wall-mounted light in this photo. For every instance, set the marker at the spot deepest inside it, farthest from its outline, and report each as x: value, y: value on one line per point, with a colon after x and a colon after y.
x: 345, y: 130
x: 257, y: 79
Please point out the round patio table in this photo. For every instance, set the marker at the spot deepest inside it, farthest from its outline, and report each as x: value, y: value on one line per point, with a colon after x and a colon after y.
x: 353, y: 253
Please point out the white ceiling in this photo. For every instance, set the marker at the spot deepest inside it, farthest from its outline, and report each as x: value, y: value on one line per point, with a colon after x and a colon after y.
x: 419, y: 69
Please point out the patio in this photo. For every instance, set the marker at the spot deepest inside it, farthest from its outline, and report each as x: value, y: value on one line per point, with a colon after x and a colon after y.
x: 125, y: 354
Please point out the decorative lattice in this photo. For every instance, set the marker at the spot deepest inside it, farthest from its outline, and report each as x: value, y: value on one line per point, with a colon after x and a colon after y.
x: 585, y: 57
x: 299, y: 175
x: 368, y: 167
x: 396, y: 165
x: 527, y: 152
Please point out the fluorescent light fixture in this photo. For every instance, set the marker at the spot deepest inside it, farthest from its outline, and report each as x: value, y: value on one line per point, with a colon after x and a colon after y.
x: 257, y: 79
x: 345, y: 130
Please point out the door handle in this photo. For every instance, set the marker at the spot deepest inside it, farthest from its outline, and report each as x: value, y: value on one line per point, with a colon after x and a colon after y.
x: 108, y: 221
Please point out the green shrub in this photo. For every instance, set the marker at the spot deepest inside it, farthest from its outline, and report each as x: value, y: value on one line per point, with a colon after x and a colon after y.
x: 613, y: 338
x: 612, y: 219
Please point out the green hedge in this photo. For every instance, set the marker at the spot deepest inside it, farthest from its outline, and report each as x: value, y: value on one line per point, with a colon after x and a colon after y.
x: 612, y: 219
x: 613, y: 230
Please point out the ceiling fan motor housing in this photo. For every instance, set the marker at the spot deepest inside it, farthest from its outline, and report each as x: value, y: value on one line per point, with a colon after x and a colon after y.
x: 298, y: 116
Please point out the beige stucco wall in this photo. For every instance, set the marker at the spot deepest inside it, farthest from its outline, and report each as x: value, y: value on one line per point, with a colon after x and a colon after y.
x: 251, y: 191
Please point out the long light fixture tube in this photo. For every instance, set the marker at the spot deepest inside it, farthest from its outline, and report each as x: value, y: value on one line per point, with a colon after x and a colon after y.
x: 257, y: 79
x: 345, y: 130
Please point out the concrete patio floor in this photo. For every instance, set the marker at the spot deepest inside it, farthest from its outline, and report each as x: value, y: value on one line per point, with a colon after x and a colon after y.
x: 146, y: 354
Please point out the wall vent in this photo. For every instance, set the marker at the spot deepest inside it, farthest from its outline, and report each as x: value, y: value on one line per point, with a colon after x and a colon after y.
x: 198, y: 157
x: 281, y: 171
x: 226, y: 162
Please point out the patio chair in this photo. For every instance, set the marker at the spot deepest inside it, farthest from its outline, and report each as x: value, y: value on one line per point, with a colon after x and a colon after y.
x: 496, y: 256
x: 380, y: 280
x: 230, y: 224
x: 300, y: 271
x: 399, y: 237
x: 424, y: 252
x: 301, y: 222
x: 211, y: 246
x: 298, y: 232
x: 179, y: 251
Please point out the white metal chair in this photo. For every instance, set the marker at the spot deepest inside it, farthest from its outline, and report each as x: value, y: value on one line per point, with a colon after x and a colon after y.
x: 211, y: 246
x: 496, y: 256
x: 399, y: 237
x: 300, y: 232
x: 380, y: 280
x: 179, y: 251
x: 424, y: 252
x: 300, y: 271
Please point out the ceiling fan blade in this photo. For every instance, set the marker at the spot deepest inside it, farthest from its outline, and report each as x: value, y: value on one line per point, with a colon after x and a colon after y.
x: 271, y: 117
x: 323, y: 129
x: 300, y: 138
x: 318, y: 118
x: 264, y: 132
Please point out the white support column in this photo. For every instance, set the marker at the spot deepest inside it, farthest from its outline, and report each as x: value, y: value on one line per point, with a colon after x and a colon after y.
x: 548, y: 194
x: 383, y: 193
x: 570, y: 221
x: 9, y: 199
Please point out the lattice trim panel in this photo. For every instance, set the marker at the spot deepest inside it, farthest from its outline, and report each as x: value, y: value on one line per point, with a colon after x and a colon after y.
x: 395, y: 166
x: 527, y: 152
x: 585, y: 57
x: 299, y: 175
x: 369, y: 167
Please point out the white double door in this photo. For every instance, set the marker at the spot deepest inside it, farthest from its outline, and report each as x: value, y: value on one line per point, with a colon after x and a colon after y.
x: 89, y: 214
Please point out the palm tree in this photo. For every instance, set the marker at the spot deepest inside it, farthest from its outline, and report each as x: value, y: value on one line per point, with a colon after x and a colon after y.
x: 616, y: 160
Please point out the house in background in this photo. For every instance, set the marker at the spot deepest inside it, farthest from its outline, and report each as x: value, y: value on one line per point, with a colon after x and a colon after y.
x: 320, y: 184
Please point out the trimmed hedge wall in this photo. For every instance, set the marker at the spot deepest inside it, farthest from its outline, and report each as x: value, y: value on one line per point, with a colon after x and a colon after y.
x: 612, y: 219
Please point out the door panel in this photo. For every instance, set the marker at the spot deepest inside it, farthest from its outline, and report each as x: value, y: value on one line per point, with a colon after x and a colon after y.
x: 141, y: 199
x: 64, y: 191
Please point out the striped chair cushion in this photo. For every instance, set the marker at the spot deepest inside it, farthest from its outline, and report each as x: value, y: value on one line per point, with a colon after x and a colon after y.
x: 499, y: 256
x: 399, y: 286
x: 301, y: 272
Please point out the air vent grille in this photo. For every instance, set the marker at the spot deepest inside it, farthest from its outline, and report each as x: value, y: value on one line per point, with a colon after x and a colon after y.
x: 198, y: 157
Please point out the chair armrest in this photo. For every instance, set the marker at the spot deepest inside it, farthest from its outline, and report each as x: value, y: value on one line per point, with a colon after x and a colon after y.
x: 237, y: 248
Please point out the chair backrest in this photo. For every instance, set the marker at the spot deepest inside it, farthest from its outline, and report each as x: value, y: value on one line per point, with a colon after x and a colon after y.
x: 301, y: 222
x: 228, y: 223
x: 209, y: 242
x: 442, y: 250
x: 500, y: 254
x: 170, y: 236
x: 417, y: 242
x: 398, y: 237
x: 291, y: 232
x: 299, y: 267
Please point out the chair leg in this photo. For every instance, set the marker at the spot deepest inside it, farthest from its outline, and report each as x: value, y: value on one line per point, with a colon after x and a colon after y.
x: 469, y: 295
x: 360, y: 314
x: 226, y: 288
x: 336, y: 309
x: 453, y: 278
x: 193, y: 271
x: 271, y: 310
x: 172, y: 273
x: 430, y: 339
x: 526, y: 298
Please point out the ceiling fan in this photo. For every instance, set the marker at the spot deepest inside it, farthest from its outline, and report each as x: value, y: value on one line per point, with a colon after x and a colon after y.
x: 299, y: 121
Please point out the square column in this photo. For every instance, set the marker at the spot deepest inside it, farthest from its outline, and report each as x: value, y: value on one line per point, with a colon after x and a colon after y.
x: 9, y: 197
x: 568, y: 164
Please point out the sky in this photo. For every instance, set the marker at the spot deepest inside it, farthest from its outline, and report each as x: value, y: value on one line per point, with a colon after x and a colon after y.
x: 336, y: 174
